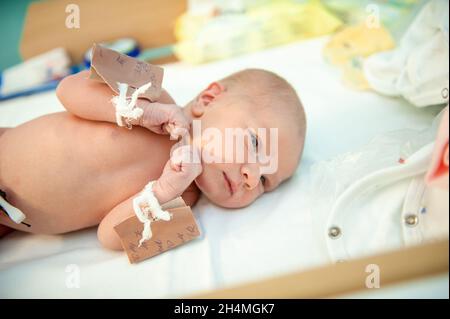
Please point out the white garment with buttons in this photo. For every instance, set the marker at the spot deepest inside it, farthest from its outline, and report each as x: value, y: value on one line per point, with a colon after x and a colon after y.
x: 384, y: 205
x: 388, y: 209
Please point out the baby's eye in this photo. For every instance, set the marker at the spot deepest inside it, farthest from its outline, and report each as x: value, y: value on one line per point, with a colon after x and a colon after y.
x: 263, y: 179
x: 254, y: 141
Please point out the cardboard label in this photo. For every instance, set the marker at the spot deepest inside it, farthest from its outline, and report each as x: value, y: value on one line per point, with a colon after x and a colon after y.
x: 112, y: 67
x: 181, y: 229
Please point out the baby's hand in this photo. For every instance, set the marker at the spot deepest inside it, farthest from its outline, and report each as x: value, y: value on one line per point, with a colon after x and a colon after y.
x: 164, y: 118
x: 180, y: 171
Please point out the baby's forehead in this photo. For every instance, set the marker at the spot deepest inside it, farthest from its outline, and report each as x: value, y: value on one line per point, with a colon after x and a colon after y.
x: 270, y: 111
x: 276, y: 116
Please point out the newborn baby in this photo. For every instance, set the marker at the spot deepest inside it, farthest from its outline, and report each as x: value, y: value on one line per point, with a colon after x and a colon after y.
x: 77, y: 169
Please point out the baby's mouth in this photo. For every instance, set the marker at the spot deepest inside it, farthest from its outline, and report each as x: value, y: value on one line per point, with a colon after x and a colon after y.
x: 228, y: 184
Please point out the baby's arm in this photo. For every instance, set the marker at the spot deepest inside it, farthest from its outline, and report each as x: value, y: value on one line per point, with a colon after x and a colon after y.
x: 176, y: 179
x: 91, y: 100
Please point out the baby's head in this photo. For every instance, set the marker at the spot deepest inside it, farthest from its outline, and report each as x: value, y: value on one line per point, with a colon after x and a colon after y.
x: 264, y: 117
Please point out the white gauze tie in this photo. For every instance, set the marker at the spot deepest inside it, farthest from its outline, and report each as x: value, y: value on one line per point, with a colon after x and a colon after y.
x: 14, y: 213
x: 147, y: 198
x: 127, y: 110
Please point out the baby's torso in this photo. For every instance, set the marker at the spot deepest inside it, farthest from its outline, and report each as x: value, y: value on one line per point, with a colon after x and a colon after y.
x: 67, y: 173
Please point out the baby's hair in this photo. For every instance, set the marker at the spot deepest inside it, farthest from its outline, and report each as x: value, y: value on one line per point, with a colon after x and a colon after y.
x: 269, y: 90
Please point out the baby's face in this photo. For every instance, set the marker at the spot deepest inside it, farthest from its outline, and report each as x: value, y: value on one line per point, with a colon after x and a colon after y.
x: 237, y: 173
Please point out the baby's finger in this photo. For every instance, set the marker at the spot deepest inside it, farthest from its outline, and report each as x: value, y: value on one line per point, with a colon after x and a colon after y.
x: 186, y: 158
x: 175, y: 166
x: 168, y: 128
x: 181, y: 154
x: 182, y: 121
x: 178, y: 156
x: 193, y: 166
x: 174, y: 122
x: 174, y: 131
x: 178, y: 132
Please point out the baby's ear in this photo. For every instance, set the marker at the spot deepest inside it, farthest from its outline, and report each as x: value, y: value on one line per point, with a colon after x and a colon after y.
x: 206, y: 97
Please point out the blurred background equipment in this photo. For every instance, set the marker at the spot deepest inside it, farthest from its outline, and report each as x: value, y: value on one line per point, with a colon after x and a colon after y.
x: 149, y: 22
x: 395, y: 15
x: 348, y: 48
x: 126, y: 46
x: 37, y: 74
x: 199, y: 31
x: 39, y: 31
x: 212, y: 29
x: 396, y: 48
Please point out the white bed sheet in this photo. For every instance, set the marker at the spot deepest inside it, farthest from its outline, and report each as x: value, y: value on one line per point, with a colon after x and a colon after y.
x: 273, y: 236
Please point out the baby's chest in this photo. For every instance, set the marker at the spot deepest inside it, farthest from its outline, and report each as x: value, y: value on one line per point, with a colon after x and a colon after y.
x: 130, y: 157
x: 136, y: 149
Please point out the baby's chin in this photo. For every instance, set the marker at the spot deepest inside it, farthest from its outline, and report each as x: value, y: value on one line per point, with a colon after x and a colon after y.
x: 225, y: 203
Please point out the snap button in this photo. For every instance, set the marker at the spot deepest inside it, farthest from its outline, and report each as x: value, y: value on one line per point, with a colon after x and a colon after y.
x: 334, y: 232
x: 411, y: 220
x: 444, y: 93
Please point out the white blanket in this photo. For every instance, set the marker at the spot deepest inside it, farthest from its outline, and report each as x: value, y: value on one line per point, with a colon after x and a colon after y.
x: 273, y: 236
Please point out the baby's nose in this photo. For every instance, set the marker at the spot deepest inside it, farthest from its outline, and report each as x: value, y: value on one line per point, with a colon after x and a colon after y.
x: 250, y: 175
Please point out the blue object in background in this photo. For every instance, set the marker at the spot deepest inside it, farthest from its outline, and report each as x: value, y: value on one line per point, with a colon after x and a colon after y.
x: 126, y: 46
x: 51, y: 85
